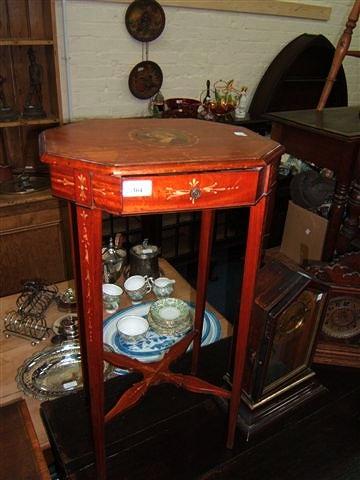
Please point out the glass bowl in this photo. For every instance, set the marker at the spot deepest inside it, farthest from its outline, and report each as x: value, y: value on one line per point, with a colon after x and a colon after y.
x: 181, y: 107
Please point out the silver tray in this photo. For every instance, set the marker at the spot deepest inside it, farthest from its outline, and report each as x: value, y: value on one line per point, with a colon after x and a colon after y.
x: 54, y: 372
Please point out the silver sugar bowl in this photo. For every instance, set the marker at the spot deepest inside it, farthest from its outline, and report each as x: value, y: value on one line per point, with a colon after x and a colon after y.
x: 144, y: 260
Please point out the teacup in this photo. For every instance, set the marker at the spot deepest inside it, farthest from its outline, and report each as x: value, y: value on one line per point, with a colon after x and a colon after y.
x: 111, y: 296
x: 132, y: 328
x: 137, y: 287
x: 163, y: 287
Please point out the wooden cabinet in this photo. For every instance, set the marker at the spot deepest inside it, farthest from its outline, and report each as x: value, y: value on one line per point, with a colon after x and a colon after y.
x: 32, y: 233
x: 34, y: 240
x: 27, y: 27
x: 295, y: 78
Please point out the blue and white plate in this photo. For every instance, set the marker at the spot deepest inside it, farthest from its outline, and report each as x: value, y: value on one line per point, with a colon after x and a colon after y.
x: 154, y: 346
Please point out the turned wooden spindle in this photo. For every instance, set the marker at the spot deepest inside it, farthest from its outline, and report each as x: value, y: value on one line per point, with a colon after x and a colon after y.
x: 340, y: 52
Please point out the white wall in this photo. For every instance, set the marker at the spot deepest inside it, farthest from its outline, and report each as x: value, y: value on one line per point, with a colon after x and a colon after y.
x: 195, y: 45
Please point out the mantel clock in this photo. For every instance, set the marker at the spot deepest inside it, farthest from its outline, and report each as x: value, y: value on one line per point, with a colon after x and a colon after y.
x: 285, y: 324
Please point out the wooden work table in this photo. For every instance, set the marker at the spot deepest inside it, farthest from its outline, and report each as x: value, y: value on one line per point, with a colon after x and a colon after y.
x: 14, y: 350
x: 149, y: 166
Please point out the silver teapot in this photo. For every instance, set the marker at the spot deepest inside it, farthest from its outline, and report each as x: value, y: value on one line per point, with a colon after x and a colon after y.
x: 144, y: 260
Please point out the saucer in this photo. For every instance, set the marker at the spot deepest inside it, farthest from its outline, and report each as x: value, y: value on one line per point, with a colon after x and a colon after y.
x: 168, y: 312
x: 180, y: 328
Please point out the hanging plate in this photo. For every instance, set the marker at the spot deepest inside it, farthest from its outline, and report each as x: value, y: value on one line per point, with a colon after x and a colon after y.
x: 145, y: 79
x: 145, y: 20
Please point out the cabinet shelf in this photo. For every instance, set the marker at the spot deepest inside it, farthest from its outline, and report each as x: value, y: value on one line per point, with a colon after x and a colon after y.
x: 24, y: 41
x: 27, y: 24
x: 33, y: 230
x: 22, y: 122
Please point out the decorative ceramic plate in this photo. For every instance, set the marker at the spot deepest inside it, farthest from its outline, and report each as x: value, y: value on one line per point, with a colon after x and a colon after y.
x: 154, y: 346
x: 145, y: 20
x: 145, y: 79
x: 342, y: 319
x: 54, y: 371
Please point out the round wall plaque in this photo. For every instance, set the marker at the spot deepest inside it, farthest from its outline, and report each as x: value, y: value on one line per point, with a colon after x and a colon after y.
x: 145, y: 20
x: 145, y: 79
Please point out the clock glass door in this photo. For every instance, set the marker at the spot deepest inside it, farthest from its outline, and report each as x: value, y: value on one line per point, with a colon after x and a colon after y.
x: 293, y: 340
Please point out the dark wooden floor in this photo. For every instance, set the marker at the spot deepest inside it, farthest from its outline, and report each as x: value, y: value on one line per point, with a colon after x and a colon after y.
x: 322, y: 445
x: 173, y: 434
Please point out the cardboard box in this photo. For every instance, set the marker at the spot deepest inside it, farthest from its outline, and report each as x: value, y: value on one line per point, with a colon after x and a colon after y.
x: 304, y: 235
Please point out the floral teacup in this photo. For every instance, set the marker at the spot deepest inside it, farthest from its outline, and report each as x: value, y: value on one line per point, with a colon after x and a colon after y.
x: 137, y: 287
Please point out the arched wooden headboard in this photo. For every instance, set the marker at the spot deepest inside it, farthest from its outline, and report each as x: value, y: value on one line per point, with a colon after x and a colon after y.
x: 295, y: 78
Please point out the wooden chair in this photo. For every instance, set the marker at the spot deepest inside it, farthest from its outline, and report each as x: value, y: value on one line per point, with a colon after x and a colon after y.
x: 349, y: 234
x: 342, y: 49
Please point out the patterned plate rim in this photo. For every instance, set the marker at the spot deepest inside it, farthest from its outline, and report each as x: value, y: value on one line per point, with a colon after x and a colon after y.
x: 212, y: 319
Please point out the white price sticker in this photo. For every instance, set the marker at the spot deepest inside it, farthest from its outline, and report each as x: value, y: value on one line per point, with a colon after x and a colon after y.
x: 238, y: 133
x: 137, y: 188
x: 71, y: 384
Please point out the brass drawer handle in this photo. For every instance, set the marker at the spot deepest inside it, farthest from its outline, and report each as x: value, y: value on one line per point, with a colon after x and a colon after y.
x: 195, y: 193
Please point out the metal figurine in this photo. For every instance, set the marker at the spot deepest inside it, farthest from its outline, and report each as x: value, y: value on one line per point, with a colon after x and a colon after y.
x: 33, y: 103
x: 7, y: 114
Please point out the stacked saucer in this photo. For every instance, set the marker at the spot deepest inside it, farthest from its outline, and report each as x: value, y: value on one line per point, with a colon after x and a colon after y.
x: 170, y: 316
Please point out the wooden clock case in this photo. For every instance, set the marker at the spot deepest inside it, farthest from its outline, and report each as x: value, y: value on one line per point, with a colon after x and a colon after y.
x: 285, y: 324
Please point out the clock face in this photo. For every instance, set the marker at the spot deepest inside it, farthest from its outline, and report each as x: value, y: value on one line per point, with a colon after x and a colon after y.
x: 293, y: 318
x: 342, y: 319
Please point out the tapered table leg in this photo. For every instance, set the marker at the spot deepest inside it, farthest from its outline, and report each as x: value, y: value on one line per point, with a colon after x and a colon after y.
x: 78, y: 287
x: 88, y: 235
x: 252, y: 260
x: 206, y: 234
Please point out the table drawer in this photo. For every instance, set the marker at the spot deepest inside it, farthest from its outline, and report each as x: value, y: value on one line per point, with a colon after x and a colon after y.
x: 168, y: 193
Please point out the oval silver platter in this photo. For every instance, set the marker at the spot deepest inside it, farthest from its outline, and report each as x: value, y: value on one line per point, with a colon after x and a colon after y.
x: 54, y: 372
